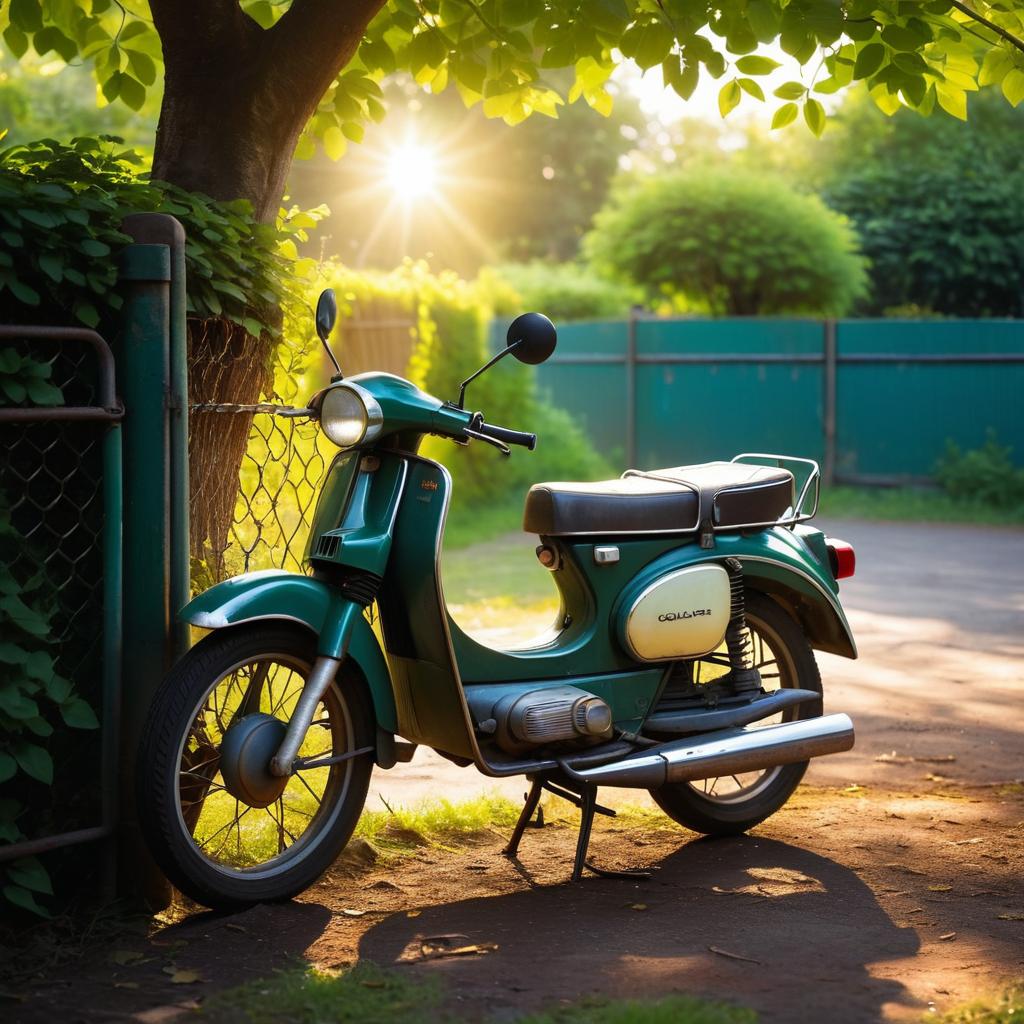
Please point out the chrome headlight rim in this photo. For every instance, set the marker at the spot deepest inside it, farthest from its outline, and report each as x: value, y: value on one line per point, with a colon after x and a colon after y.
x: 372, y: 415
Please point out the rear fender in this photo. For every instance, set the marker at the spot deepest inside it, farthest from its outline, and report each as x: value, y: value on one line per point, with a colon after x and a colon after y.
x: 274, y: 594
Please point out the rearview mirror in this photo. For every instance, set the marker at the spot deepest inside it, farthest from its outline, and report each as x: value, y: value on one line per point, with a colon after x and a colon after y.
x: 326, y: 314
x: 531, y: 338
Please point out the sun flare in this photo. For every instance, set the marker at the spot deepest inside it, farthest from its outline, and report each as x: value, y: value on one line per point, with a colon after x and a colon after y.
x: 412, y: 171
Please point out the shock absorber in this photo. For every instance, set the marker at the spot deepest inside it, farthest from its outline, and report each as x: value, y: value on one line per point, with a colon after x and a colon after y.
x: 738, y: 641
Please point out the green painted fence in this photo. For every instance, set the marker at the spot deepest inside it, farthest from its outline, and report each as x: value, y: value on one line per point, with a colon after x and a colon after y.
x: 874, y: 401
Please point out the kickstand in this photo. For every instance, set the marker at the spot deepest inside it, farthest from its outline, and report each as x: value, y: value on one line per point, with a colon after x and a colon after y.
x: 532, y: 800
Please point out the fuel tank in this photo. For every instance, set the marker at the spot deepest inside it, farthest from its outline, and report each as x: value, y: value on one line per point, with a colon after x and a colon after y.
x: 682, y: 614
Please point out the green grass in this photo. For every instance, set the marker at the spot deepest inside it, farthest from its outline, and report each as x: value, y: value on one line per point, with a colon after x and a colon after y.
x: 1005, y: 1008
x: 369, y: 995
x: 366, y: 994
x: 670, y: 1010
x: 436, y: 823
x: 469, y: 523
x: 911, y: 504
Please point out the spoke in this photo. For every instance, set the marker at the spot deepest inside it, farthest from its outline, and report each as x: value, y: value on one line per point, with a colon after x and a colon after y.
x: 201, y: 799
x: 318, y: 799
x: 737, y: 781
x: 234, y: 821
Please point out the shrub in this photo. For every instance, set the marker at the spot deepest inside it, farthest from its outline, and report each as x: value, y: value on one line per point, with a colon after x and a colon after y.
x: 729, y: 243
x: 562, y: 291
x: 984, y: 475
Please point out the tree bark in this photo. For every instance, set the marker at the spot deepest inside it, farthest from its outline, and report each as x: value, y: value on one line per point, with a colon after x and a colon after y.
x: 236, y: 98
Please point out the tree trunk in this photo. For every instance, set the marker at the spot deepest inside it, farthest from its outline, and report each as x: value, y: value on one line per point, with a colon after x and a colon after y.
x: 236, y: 98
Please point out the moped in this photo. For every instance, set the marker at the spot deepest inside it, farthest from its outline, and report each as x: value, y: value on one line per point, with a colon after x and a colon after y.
x: 681, y: 660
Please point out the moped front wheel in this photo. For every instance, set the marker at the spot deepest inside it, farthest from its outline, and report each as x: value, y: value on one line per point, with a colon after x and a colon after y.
x: 223, y: 830
x: 731, y: 805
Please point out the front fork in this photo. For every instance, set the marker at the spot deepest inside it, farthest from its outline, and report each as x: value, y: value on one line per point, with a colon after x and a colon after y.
x: 333, y: 646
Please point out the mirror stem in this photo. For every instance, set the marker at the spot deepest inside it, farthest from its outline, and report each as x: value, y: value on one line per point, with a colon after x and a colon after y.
x: 472, y: 377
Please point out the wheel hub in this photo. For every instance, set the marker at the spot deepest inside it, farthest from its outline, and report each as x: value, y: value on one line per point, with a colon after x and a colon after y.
x: 245, y: 755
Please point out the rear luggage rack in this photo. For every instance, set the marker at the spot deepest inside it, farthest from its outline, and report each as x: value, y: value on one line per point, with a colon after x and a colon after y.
x: 708, y: 517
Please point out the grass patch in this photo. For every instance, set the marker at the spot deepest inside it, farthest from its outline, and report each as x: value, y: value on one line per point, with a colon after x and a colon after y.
x: 473, y: 522
x: 670, y: 1010
x: 435, y: 823
x: 365, y: 994
x: 1006, y: 1008
x: 912, y: 504
x: 371, y: 995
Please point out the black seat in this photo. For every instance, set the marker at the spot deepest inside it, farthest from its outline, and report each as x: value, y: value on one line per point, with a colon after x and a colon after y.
x: 675, y: 500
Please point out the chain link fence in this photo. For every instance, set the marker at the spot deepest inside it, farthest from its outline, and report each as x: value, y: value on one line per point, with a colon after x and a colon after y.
x: 281, y: 458
x: 59, y: 481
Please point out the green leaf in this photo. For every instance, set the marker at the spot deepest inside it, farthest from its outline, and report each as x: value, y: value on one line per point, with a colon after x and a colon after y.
x: 21, y: 897
x: 28, y: 872
x: 755, y: 65
x: 34, y: 761
x: 24, y: 617
x: 653, y: 43
x: 132, y: 92
x: 142, y: 66
x: 748, y: 85
x: 26, y: 14
x: 44, y: 393
x: 869, y: 60
x: 953, y: 100
x: 791, y: 91
x: 52, y: 265
x: 78, y: 714
x: 8, y: 766
x: 1013, y: 87
x: 87, y: 313
x: 23, y: 292
x: 17, y: 41
x: 334, y: 142
x: 814, y: 115
x: 728, y: 97
x: 995, y: 66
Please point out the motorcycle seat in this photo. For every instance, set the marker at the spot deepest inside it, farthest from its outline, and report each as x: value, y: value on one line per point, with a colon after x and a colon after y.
x: 682, y: 499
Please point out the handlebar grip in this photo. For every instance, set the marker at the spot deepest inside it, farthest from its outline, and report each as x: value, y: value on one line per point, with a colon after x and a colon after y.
x: 520, y: 437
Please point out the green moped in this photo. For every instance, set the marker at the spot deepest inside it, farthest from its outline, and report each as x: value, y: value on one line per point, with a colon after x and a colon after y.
x: 681, y: 659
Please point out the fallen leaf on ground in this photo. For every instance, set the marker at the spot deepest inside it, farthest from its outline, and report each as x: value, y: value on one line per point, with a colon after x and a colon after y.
x: 234, y: 927
x: 966, y: 842
x: 733, y: 956
x: 940, y: 888
x: 638, y: 906
x: 183, y: 977
x: 353, y: 913
x: 123, y: 957
x: 947, y: 936
x: 1010, y: 917
x: 413, y: 913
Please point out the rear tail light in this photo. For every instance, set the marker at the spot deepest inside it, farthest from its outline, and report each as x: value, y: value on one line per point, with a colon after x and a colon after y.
x: 841, y: 557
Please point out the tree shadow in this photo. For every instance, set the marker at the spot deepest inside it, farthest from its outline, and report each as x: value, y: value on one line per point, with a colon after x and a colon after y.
x: 812, y: 926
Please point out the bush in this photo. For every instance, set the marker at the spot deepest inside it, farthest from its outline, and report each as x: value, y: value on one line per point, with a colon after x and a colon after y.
x: 731, y: 244
x: 562, y: 291
x: 984, y: 475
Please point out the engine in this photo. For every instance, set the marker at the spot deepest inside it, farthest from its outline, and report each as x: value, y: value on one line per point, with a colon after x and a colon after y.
x: 537, y: 718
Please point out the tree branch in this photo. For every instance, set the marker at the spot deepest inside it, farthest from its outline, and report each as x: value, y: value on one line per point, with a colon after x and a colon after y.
x: 999, y: 30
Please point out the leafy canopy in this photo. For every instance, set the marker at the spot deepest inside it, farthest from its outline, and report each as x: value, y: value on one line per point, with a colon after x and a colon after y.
x: 499, y: 53
x: 729, y: 243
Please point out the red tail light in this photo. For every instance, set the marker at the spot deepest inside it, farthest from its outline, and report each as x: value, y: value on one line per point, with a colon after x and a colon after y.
x: 842, y: 558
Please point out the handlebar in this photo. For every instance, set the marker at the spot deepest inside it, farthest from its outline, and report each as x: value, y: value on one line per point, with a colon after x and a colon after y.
x: 519, y: 437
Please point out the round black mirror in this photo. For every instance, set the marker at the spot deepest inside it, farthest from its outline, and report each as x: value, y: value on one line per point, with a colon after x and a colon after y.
x: 531, y: 338
x: 326, y: 314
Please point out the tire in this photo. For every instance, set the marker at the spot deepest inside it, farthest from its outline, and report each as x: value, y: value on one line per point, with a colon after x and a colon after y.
x: 687, y: 805
x: 182, y: 711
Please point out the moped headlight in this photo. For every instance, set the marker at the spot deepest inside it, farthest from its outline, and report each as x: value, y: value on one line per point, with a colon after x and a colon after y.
x: 350, y: 415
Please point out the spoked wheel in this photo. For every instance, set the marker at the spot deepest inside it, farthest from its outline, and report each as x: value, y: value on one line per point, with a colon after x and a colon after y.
x: 732, y: 804
x: 223, y: 829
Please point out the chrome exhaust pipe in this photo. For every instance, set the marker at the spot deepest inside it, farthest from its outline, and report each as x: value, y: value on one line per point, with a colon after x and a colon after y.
x: 727, y: 752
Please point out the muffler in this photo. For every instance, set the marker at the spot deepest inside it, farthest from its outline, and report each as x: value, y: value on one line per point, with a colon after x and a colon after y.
x: 727, y: 752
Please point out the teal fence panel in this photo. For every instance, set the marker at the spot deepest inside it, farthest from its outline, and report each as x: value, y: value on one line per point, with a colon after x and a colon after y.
x: 874, y: 401
x: 906, y: 388
x: 709, y: 389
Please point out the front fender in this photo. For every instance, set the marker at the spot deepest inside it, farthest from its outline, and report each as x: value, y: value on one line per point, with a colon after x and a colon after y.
x: 275, y: 594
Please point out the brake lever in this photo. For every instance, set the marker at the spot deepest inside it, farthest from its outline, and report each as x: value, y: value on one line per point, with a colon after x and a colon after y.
x: 503, y: 448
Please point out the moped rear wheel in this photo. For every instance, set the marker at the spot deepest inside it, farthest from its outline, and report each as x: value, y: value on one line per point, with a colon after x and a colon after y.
x: 733, y: 804
x: 223, y: 830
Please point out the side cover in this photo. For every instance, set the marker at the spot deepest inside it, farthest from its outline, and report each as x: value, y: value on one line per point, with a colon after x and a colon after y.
x: 275, y: 594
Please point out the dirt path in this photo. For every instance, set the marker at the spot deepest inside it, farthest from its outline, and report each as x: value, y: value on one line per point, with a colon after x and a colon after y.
x: 858, y: 904
x: 854, y: 906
